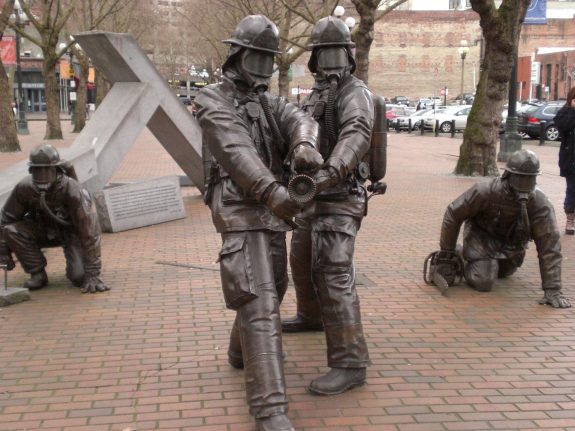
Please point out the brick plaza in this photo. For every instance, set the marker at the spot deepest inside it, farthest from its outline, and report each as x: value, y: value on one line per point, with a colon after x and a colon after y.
x: 151, y: 353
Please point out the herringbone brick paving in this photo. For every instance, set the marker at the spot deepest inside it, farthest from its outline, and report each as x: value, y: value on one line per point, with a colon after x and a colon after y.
x: 151, y: 353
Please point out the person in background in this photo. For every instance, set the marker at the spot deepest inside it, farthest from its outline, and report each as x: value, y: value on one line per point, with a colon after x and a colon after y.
x: 565, y: 122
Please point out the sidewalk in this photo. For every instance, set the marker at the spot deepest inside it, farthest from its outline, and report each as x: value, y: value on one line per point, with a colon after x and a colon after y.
x: 151, y: 353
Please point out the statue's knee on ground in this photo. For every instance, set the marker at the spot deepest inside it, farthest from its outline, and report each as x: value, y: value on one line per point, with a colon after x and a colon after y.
x: 481, y: 274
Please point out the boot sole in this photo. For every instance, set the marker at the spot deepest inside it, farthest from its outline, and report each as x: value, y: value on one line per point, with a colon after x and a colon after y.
x: 315, y: 391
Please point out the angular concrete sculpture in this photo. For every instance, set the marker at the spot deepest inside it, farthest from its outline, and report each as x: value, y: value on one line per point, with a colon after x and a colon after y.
x: 140, y: 97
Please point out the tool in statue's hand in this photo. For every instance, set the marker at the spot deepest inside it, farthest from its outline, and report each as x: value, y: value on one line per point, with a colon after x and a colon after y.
x: 443, y: 269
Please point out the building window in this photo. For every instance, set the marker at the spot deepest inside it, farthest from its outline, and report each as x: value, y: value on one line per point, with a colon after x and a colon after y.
x: 455, y: 4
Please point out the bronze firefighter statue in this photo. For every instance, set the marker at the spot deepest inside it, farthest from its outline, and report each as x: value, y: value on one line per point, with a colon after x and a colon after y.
x: 50, y: 208
x: 249, y: 137
x: 322, y: 246
x: 501, y: 217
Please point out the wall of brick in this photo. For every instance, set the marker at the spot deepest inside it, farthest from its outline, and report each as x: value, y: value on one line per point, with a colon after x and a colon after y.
x: 415, y: 52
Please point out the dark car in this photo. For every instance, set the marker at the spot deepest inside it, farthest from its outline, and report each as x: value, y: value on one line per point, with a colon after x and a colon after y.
x: 186, y: 100
x: 400, y: 100
x: 529, y: 120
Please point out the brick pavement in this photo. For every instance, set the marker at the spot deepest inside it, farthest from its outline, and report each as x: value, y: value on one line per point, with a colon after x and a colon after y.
x: 151, y: 353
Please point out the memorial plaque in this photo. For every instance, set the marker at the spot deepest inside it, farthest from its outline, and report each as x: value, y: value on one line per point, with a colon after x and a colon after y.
x: 144, y: 203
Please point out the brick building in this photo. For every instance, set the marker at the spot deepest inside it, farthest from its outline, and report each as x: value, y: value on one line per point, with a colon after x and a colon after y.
x: 415, y: 54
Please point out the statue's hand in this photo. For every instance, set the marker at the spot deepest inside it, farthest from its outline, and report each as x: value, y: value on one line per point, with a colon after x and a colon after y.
x: 306, y: 159
x: 281, y: 204
x: 6, y: 259
x: 93, y: 284
x: 326, y: 178
x: 555, y: 299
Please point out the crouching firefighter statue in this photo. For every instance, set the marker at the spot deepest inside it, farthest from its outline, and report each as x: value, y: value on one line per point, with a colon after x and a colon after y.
x: 322, y: 246
x: 49, y: 208
x: 248, y: 138
x: 501, y: 216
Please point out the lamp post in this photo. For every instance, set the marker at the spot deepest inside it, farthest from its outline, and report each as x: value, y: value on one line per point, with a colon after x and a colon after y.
x: 511, y: 139
x: 463, y: 50
x: 20, y: 20
x: 70, y: 93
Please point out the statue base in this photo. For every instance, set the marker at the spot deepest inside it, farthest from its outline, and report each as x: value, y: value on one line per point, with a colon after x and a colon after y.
x: 13, y: 295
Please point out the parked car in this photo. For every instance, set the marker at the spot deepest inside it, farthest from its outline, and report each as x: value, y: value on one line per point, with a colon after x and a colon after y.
x: 185, y: 99
x: 400, y: 100
x: 393, y: 111
x: 529, y: 120
x: 416, y: 118
x: 519, y: 108
x: 458, y: 113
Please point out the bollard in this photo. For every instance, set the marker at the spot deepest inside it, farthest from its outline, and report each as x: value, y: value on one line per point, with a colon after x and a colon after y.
x: 397, y: 128
x: 542, y: 132
x: 421, y: 127
x: 409, y: 125
x: 436, y: 127
x: 453, y: 128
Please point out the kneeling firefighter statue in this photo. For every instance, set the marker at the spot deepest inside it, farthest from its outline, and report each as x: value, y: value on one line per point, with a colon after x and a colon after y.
x: 501, y: 217
x: 50, y: 208
x: 322, y: 246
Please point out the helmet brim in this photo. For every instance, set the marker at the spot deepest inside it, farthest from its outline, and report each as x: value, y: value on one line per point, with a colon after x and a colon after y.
x: 311, y: 46
x: 245, y: 45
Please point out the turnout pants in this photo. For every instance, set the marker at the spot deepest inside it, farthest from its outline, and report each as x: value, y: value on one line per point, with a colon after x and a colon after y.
x: 256, y: 261
x: 321, y: 259
x: 484, y: 263
x: 27, y: 238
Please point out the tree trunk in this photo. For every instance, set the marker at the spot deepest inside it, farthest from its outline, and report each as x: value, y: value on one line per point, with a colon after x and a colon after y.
x: 102, y: 86
x: 283, y: 79
x: 82, y: 93
x: 53, y: 129
x: 8, y: 138
x: 363, y: 37
x: 501, y: 29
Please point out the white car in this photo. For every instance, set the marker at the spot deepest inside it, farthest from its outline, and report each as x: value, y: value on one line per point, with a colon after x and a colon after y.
x: 416, y: 118
x: 457, y: 113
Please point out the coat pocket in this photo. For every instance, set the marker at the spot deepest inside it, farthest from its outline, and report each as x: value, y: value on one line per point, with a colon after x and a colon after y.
x: 236, y: 270
x: 232, y: 194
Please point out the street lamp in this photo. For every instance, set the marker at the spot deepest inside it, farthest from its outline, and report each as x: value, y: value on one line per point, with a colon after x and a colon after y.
x: 20, y: 20
x: 462, y: 50
x: 70, y: 93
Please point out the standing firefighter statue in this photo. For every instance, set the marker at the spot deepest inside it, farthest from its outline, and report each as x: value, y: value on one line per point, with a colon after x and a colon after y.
x: 49, y: 208
x: 501, y: 216
x: 248, y: 138
x: 322, y: 246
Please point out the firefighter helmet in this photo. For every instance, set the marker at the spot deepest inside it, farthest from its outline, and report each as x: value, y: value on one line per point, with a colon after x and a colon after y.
x: 44, y: 155
x: 256, y: 32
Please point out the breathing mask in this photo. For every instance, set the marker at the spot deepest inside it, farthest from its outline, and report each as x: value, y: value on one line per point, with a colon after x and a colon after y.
x: 44, y: 176
x: 332, y: 61
x: 256, y: 68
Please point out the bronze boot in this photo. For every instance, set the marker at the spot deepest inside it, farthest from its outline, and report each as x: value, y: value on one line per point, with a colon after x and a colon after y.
x: 337, y: 381
x: 278, y: 422
x: 570, y: 224
x: 298, y: 323
x: 37, y: 281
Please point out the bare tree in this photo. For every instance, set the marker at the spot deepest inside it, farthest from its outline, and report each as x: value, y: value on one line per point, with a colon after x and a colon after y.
x: 53, y: 15
x: 135, y: 17
x: 501, y: 28
x: 369, y: 12
x: 8, y: 138
x: 89, y: 15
